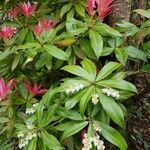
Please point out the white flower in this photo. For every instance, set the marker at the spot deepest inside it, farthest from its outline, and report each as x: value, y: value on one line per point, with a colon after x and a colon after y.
x: 97, y: 127
x: 75, y: 87
x: 30, y: 111
x: 30, y: 126
x: 35, y: 105
x: 20, y: 134
x: 98, y: 143
x: 95, y: 98
x: 111, y: 92
x: 87, y: 142
x: 23, y: 143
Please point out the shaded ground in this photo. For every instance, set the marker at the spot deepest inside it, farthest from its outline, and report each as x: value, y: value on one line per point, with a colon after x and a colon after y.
x: 139, y: 116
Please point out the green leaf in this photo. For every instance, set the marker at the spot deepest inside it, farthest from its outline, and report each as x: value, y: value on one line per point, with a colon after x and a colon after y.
x: 6, y: 53
x: 118, y: 84
x: 96, y: 42
x: 121, y: 55
x: 70, y: 14
x: 112, y: 109
x: 71, y: 114
x: 32, y: 144
x: 80, y: 9
x: 113, y: 136
x: 107, y: 70
x: 22, y: 34
x: 146, y: 68
x: 64, y: 126
x: 45, y: 59
x: 56, y: 52
x: 104, y: 29
x: 4, y: 119
x: 39, y: 113
x: 48, y: 115
x: 90, y: 67
x: 144, y: 13
x: 29, y: 45
x: 87, y: 48
x: 107, y: 51
x: 16, y: 61
x: 85, y: 99
x: 77, y: 31
x: 134, y: 52
x: 128, y: 28
x: 65, y: 9
x: 50, y: 141
x: 77, y: 70
x: 73, y: 129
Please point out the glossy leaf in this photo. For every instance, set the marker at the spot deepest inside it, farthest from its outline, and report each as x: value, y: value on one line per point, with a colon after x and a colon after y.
x: 56, y: 52
x: 118, y: 84
x: 77, y: 70
x: 96, y: 42
x: 113, y: 136
x: 73, y: 129
x: 90, y: 67
x: 50, y: 141
x: 112, y: 109
x: 85, y: 99
x: 121, y: 55
x: 107, y: 70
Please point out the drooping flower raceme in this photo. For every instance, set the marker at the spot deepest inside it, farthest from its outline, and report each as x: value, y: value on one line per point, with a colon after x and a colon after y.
x: 75, y: 87
x: 35, y: 90
x: 26, y: 137
x: 98, y: 143
x: 45, y: 24
x: 87, y: 142
x: 111, y: 92
x: 95, y: 98
x: 27, y: 9
x: 31, y: 110
x: 5, y: 88
x: 7, y: 32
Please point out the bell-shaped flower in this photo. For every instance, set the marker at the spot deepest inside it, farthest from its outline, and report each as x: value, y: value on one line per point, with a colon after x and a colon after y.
x: 5, y: 88
x: 27, y: 9
x: 35, y: 89
x: 7, y: 32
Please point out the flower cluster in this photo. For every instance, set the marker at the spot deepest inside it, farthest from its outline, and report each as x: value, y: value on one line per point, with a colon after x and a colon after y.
x: 95, y: 98
x: 31, y: 110
x: 97, y: 128
x: 5, y: 88
x: 98, y: 143
x: 111, y: 92
x: 74, y: 88
x: 7, y: 32
x: 24, y: 138
x: 103, y: 7
x: 87, y: 142
x: 43, y: 25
